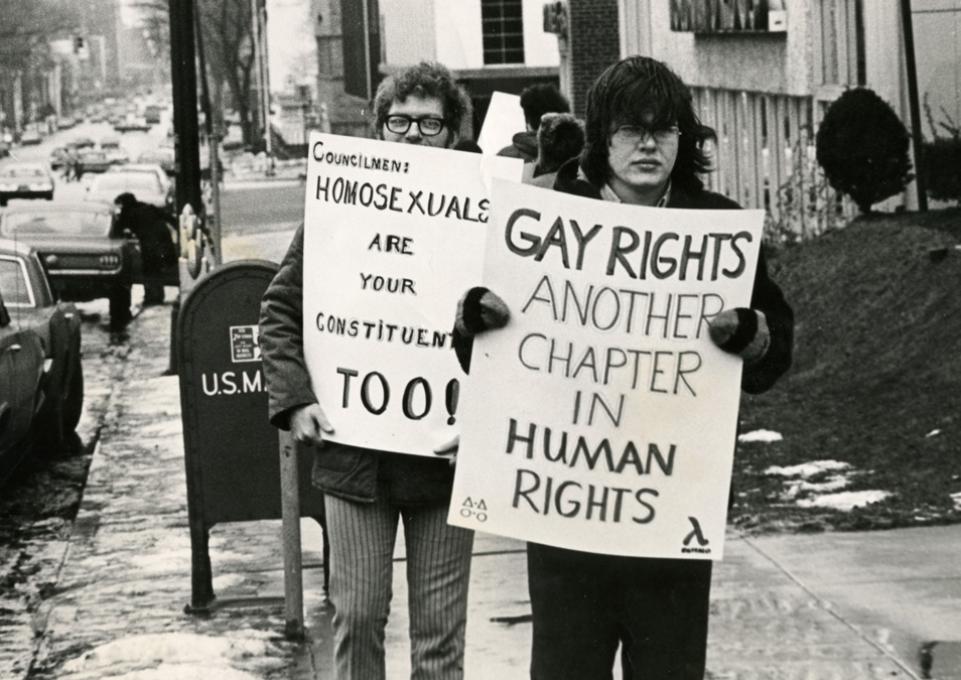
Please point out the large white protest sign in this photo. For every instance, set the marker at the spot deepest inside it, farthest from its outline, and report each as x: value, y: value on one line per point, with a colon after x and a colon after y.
x: 602, y: 418
x: 504, y: 119
x: 393, y: 235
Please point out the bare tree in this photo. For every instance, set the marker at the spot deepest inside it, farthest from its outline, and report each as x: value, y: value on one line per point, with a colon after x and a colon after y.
x: 25, y: 31
x: 227, y: 40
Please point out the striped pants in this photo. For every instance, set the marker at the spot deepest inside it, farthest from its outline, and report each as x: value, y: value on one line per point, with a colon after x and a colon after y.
x: 362, y: 538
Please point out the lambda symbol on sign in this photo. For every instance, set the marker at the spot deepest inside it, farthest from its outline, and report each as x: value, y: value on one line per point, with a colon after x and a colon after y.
x: 696, y: 533
x: 476, y: 508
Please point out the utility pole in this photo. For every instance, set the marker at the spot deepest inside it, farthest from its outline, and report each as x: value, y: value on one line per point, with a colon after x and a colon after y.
x: 255, y: 46
x: 265, y: 80
x: 212, y: 134
x: 258, y: 37
x: 907, y: 26
x: 183, y: 73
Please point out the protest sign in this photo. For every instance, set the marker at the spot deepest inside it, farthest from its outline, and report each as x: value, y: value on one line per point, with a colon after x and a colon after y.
x: 503, y: 120
x: 393, y: 236
x: 602, y: 418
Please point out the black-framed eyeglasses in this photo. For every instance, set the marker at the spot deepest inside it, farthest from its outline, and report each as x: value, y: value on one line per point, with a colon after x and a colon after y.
x: 429, y: 126
x: 634, y: 134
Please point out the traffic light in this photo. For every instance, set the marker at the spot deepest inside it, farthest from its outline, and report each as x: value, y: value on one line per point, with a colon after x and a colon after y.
x: 78, y: 43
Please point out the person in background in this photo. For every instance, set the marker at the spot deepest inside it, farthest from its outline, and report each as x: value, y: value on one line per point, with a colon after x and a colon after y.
x: 560, y: 138
x: 536, y: 100
x: 643, y: 147
x: 156, y: 231
x: 367, y: 491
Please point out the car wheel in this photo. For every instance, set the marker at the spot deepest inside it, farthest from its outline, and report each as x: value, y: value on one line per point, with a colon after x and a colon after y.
x: 51, y: 433
x: 120, y: 306
x: 73, y: 401
x: 49, y: 196
x: 3, y: 203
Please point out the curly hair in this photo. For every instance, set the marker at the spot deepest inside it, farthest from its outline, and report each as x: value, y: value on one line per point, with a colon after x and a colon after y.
x: 639, y: 90
x: 426, y: 79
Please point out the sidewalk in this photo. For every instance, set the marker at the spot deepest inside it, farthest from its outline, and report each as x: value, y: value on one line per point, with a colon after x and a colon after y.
x: 841, y: 606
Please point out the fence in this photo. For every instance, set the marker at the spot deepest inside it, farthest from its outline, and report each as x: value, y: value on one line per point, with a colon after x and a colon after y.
x: 764, y: 158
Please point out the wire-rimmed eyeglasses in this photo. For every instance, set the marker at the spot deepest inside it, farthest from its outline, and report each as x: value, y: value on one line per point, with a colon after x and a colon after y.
x: 634, y: 134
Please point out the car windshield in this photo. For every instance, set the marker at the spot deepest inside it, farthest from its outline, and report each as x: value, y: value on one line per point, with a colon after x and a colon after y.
x: 21, y: 171
x: 134, y: 182
x: 14, y: 285
x: 62, y: 222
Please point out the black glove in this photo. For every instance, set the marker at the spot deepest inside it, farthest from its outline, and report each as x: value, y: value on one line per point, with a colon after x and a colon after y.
x: 480, y: 310
x: 741, y: 331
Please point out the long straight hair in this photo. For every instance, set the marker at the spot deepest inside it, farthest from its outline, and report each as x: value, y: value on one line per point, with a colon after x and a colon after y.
x: 641, y: 90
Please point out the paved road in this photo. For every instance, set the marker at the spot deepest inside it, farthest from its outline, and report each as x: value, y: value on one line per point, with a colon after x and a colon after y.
x: 258, y: 208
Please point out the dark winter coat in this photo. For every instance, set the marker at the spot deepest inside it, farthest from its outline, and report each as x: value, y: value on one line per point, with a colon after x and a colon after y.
x: 340, y: 470
x: 766, y: 296
x: 149, y: 224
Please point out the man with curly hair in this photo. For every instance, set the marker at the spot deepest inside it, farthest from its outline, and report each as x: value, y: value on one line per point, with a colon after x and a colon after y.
x: 367, y: 491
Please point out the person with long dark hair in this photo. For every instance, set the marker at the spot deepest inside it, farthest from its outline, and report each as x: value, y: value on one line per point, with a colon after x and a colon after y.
x: 644, y: 146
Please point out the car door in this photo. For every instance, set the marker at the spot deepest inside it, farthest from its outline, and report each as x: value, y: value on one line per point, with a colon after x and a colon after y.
x: 21, y: 370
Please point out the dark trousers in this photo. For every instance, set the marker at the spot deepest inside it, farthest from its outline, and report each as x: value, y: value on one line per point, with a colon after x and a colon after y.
x: 584, y: 605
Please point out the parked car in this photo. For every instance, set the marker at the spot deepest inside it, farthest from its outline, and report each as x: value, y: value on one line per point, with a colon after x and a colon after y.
x: 82, y: 251
x: 92, y: 161
x: 66, y: 123
x: 132, y: 124
x: 163, y: 156
x: 41, y: 375
x: 148, y: 182
x: 30, y: 137
x: 25, y: 180
x: 83, y: 143
x: 151, y: 113
x: 114, y: 151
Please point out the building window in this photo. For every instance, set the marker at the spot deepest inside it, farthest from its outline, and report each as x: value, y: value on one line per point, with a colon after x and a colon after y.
x: 503, y: 30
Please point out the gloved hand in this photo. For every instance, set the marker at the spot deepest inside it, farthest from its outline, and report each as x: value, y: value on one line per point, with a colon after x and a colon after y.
x: 309, y: 424
x: 741, y: 331
x: 480, y: 310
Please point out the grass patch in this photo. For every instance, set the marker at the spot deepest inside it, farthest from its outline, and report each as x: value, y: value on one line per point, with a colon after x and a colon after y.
x: 876, y: 380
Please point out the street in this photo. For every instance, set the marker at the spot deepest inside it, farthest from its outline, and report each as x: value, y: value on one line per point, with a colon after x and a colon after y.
x: 39, y: 504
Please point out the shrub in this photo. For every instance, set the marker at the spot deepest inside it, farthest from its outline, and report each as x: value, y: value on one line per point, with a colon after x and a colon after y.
x: 863, y: 147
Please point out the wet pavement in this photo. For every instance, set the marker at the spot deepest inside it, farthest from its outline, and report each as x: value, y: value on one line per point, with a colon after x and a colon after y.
x: 111, y: 596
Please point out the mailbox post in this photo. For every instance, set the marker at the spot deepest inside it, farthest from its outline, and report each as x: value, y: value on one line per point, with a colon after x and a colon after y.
x: 230, y: 448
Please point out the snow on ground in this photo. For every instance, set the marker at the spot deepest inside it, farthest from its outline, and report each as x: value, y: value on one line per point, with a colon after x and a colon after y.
x: 956, y: 497
x: 845, y: 500
x: 176, y: 656
x: 808, y: 470
x: 819, y: 484
x: 761, y: 436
